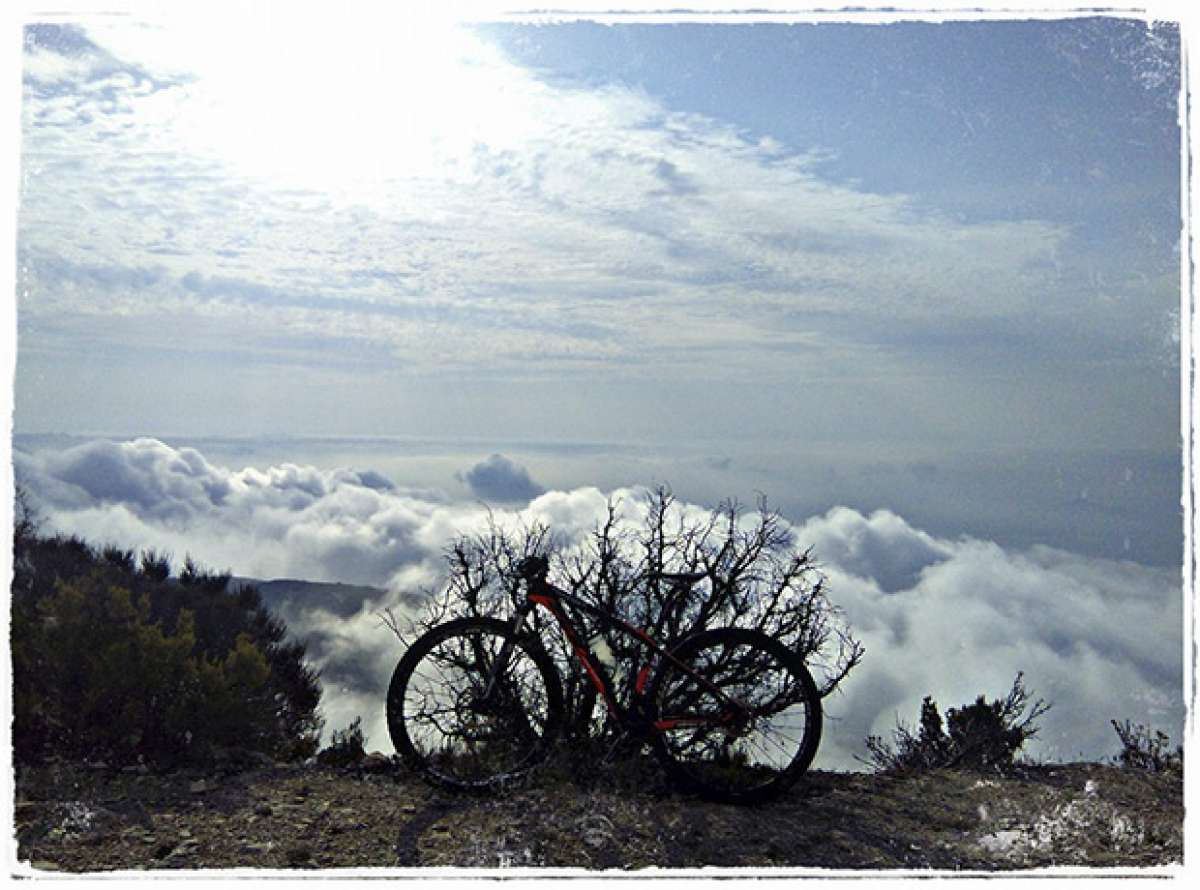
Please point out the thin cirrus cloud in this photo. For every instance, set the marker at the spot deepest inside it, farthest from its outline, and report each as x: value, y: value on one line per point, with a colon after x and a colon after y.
x: 519, y: 236
x: 1100, y: 638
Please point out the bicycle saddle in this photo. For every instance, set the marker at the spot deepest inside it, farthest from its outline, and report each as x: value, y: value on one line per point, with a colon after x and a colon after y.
x: 533, y: 567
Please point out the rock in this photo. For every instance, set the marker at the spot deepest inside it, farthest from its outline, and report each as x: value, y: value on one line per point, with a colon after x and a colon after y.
x: 200, y: 786
x: 375, y: 762
x: 131, y: 810
x: 186, y: 847
x: 242, y: 758
x: 299, y: 856
x: 597, y: 830
x: 1002, y: 843
x: 43, y: 865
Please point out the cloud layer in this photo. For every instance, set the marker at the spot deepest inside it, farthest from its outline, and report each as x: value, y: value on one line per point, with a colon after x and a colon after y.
x: 500, y: 479
x: 1101, y: 639
x: 705, y: 244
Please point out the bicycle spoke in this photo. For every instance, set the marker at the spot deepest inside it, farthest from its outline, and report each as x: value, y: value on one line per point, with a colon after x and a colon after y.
x: 744, y: 723
x: 443, y: 722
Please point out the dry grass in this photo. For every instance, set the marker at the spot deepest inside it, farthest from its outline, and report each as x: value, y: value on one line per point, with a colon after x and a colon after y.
x: 84, y: 820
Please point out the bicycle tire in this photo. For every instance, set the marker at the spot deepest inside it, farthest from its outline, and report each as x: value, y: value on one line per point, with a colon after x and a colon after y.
x: 750, y: 763
x: 441, y: 726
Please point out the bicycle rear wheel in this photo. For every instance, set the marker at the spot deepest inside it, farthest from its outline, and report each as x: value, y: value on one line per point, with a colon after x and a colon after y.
x: 444, y: 726
x: 743, y: 754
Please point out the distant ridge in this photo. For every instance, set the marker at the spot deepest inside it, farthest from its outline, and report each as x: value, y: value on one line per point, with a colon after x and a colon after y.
x: 342, y: 600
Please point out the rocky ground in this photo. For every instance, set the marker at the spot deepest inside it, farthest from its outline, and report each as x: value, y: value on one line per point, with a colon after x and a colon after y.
x: 80, y: 818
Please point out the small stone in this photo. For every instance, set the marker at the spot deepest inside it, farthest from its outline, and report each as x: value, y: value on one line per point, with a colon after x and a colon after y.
x: 185, y: 848
x: 200, y: 786
x: 375, y: 762
x: 299, y: 856
x: 43, y: 865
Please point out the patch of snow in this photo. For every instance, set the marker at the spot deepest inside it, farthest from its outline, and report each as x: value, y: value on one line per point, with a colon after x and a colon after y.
x: 1071, y: 828
x: 1002, y: 843
x: 77, y: 817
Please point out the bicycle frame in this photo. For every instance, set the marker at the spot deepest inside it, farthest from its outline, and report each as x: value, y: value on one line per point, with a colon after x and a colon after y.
x: 540, y: 592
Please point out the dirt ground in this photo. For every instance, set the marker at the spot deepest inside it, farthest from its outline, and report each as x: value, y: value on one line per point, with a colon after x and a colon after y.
x: 76, y: 818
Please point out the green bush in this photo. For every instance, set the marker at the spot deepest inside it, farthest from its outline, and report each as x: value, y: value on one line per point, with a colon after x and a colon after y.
x: 104, y: 682
x: 982, y: 736
x: 114, y: 660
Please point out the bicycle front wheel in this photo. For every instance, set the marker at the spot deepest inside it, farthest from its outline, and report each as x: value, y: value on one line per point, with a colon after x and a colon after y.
x: 752, y: 741
x: 444, y: 723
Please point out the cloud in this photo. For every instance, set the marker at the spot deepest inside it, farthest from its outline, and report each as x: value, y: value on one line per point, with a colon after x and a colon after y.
x: 736, y: 249
x: 1100, y: 638
x: 499, y: 479
x: 281, y: 521
x: 62, y: 56
x: 881, y: 546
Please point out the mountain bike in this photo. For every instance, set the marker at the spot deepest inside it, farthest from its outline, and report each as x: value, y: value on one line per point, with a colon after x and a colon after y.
x: 731, y: 713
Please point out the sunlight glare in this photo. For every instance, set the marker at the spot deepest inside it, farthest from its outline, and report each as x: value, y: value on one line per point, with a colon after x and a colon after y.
x: 341, y: 105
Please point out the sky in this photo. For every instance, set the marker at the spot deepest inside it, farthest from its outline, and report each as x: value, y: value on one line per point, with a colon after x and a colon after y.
x: 298, y: 293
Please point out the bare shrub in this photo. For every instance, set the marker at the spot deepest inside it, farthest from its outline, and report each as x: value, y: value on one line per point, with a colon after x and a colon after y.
x: 753, y: 577
x: 1142, y: 748
x: 983, y: 736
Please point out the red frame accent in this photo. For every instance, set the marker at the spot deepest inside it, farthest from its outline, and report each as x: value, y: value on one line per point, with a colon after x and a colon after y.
x: 643, y: 676
x: 550, y: 597
x: 581, y: 652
